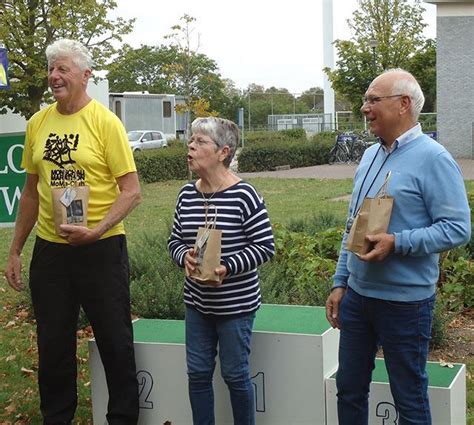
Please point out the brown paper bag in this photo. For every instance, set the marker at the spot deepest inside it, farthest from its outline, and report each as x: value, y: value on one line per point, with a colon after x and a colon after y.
x: 208, y: 252
x: 70, y: 206
x: 373, y: 218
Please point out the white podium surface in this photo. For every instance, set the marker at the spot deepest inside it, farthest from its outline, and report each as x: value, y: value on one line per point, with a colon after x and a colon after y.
x: 447, y: 393
x: 293, y: 350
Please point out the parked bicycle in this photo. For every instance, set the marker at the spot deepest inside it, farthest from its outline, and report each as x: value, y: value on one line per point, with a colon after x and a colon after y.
x: 349, y: 147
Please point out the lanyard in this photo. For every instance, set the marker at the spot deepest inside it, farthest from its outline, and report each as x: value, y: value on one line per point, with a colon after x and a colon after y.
x: 357, y: 207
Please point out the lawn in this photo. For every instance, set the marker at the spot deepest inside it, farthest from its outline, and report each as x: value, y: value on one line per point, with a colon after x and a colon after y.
x: 286, y: 199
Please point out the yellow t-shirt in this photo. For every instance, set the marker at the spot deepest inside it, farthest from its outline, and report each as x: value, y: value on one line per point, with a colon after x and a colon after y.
x: 89, y: 147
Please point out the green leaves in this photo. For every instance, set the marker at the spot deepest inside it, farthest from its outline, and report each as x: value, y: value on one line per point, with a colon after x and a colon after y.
x: 29, y: 26
x: 386, y: 34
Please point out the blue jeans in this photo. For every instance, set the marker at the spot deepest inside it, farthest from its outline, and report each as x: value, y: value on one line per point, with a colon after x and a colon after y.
x: 403, y: 329
x: 233, y: 334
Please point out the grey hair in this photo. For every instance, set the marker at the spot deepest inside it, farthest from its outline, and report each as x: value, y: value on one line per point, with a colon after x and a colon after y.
x: 408, y: 85
x: 64, y: 47
x: 223, y: 132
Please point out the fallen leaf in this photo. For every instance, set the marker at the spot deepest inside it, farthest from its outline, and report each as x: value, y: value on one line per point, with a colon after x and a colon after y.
x: 443, y: 363
x: 10, y: 358
x: 22, y: 314
x: 10, y: 409
x: 10, y: 324
x: 27, y: 371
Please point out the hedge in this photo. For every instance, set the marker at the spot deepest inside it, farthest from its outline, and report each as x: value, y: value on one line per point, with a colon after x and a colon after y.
x: 268, y: 156
x: 162, y: 164
x: 263, y: 151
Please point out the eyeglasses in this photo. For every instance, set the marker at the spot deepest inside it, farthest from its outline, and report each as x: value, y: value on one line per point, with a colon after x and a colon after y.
x: 372, y: 100
x: 201, y: 142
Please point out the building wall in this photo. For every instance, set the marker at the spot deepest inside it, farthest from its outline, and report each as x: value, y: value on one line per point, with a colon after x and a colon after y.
x: 455, y: 97
x: 455, y: 84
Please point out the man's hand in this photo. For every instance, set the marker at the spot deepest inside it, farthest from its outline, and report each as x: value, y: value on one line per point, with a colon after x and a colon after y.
x: 332, y: 306
x: 78, y: 235
x: 13, y: 272
x: 383, y: 243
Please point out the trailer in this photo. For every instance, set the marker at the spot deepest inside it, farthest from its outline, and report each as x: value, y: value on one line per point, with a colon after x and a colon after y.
x: 142, y: 110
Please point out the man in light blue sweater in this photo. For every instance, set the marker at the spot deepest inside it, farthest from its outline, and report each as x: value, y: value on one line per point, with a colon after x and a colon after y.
x: 386, y: 297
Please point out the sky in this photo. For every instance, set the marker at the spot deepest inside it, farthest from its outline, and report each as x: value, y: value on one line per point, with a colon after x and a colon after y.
x: 252, y: 41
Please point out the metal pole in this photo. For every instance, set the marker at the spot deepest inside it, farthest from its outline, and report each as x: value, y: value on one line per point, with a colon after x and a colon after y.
x: 249, y: 108
x: 374, y: 69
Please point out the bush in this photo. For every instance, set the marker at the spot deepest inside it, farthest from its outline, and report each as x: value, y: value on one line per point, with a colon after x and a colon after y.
x: 162, y: 164
x: 456, y: 283
x: 156, y: 288
x: 266, y: 156
x: 294, y: 133
x: 314, y: 224
x: 302, y: 269
x: 253, y: 137
x: 441, y: 319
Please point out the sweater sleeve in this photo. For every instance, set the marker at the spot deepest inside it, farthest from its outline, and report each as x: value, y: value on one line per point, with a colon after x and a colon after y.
x: 176, y: 246
x: 258, y: 231
x: 342, y: 273
x: 444, y: 195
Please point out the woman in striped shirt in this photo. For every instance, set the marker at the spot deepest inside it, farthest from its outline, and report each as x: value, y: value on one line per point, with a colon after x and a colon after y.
x: 220, y: 312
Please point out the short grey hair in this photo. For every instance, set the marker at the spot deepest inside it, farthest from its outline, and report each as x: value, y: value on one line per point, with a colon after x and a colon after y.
x: 223, y: 132
x: 408, y: 85
x: 64, y: 47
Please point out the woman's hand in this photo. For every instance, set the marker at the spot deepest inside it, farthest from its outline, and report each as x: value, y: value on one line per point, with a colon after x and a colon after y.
x: 190, y: 262
x: 221, y: 271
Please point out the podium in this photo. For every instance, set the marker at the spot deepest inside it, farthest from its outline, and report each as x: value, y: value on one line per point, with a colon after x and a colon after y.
x: 293, y: 350
x: 446, y: 391
x: 293, y: 364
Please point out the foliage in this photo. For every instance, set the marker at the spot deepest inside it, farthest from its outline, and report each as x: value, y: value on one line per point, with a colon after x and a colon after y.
x: 396, y: 28
x: 423, y: 66
x: 441, y: 319
x: 267, y: 156
x: 162, y: 164
x: 194, y: 75
x: 456, y: 284
x: 314, y: 99
x: 294, y: 133
x: 260, y: 103
x: 142, y: 69
x: 302, y: 269
x: 156, y: 288
x: 28, y: 27
x: 314, y: 224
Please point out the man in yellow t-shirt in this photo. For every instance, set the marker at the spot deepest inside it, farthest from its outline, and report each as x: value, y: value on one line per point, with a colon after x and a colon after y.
x: 78, y: 146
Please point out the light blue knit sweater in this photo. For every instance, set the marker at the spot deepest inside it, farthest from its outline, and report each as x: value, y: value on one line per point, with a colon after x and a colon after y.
x: 430, y: 215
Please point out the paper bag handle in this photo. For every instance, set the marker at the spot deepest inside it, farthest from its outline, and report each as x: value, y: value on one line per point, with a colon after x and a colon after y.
x: 382, y: 192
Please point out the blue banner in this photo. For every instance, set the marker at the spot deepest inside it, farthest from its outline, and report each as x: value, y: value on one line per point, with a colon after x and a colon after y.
x: 4, y: 82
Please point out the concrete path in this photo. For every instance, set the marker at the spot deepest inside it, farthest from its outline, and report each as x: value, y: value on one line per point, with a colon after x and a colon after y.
x: 339, y: 171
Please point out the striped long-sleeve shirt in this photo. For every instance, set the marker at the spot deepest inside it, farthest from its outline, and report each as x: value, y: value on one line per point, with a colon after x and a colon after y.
x: 247, y: 242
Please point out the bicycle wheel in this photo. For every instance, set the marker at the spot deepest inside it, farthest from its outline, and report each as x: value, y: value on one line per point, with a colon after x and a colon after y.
x: 357, y: 151
x: 332, y: 155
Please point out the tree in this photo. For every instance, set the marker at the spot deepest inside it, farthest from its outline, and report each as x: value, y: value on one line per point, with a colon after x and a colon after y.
x: 193, y: 74
x: 154, y: 69
x: 313, y: 98
x: 233, y: 101
x: 29, y: 26
x: 394, y: 29
x: 263, y: 102
x: 142, y: 69
x: 423, y: 66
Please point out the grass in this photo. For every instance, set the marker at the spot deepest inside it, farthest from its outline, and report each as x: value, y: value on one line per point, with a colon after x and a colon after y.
x: 286, y: 199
